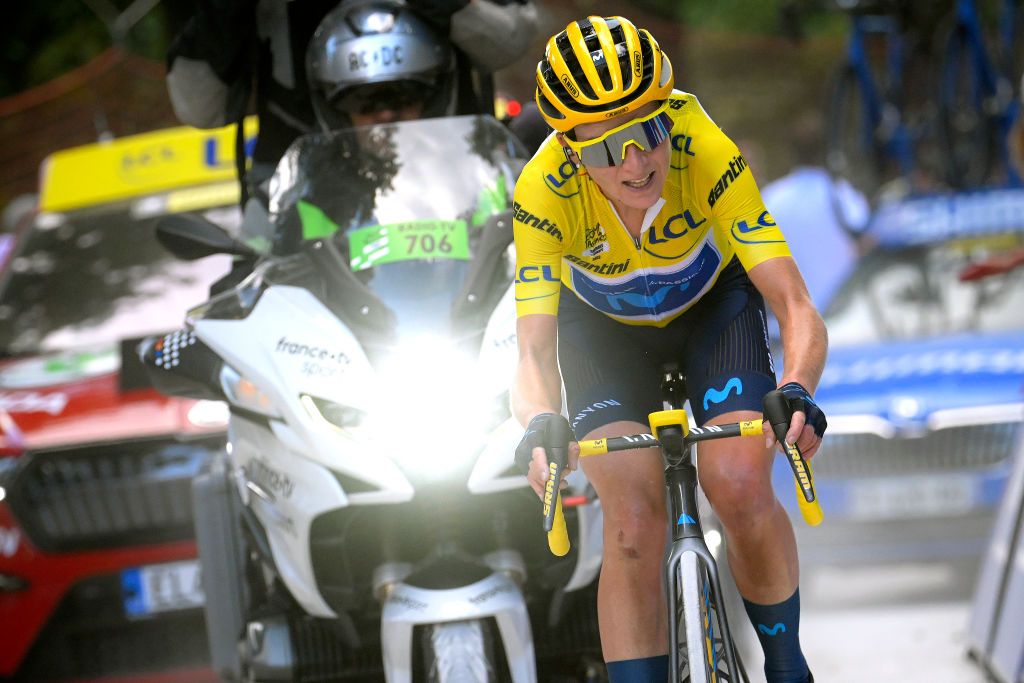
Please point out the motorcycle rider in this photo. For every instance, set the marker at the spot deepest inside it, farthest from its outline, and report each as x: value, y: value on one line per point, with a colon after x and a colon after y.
x: 368, y: 61
x: 232, y: 50
x: 641, y: 239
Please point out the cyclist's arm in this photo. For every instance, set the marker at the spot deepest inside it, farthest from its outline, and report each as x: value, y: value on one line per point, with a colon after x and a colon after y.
x: 537, y: 386
x: 538, y: 283
x: 804, y: 337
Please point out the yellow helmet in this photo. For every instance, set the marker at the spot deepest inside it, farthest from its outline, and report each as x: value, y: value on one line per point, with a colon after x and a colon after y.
x: 597, y: 68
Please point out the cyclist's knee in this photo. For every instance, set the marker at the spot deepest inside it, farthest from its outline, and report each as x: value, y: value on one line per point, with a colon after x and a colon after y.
x: 741, y: 497
x: 636, y: 531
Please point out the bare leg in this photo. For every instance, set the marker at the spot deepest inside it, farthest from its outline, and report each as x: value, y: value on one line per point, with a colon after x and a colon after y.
x: 630, y: 603
x: 736, y: 477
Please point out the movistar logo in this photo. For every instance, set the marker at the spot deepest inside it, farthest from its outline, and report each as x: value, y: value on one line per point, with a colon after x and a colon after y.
x: 736, y: 166
x: 685, y: 519
x: 650, y: 301
x: 773, y: 631
x: 713, y: 395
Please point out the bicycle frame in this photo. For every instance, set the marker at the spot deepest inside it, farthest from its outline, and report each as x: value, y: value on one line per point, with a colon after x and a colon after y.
x: 688, y: 537
x: 992, y: 90
x: 884, y: 116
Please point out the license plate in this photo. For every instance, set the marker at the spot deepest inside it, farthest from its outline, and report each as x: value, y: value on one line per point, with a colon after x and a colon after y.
x: 912, y: 497
x: 161, y: 588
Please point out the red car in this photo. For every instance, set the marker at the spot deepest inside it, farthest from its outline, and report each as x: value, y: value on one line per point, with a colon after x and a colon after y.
x: 98, y: 578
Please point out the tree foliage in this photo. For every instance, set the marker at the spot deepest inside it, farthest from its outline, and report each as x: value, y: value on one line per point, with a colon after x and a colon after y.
x: 49, y: 38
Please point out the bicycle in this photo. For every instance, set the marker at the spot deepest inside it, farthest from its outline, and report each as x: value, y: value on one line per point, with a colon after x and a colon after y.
x: 874, y: 137
x: 705, y: 651
x: 976, y: 93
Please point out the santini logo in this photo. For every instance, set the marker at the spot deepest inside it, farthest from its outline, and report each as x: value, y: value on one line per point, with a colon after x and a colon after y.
x: 736, y: 166
x: 527, y: 218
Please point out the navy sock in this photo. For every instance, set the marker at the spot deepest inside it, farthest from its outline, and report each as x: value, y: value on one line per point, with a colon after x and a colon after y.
x: 645, y: 670
x: 778, y: 629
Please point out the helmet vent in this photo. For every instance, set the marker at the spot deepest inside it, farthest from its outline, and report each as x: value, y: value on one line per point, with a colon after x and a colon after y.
x: 575, y: 71
x: 625, y: 68
x: 593, y: 45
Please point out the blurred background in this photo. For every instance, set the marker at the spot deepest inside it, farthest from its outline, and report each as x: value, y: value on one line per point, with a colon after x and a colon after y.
x: 886, y: 139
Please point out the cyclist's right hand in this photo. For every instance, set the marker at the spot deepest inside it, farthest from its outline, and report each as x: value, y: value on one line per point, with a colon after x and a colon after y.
x: 531, y: 457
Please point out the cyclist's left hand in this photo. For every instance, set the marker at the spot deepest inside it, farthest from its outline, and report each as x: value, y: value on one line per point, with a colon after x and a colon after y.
x: 808, y: 423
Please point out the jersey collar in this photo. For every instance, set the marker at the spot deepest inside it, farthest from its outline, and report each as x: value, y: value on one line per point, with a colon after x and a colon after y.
x: 649, y: 217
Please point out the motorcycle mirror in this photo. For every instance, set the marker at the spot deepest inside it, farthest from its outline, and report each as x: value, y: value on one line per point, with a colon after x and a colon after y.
x: 191, y: 237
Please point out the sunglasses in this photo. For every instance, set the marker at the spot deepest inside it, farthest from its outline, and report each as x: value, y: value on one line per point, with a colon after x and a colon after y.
x: 370, y: 99
x: 646, y: 132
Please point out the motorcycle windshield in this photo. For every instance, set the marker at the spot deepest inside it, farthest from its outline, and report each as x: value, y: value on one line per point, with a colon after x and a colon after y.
x: 415, y: 210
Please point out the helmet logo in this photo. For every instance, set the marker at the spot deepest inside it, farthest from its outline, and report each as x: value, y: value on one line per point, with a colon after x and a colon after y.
x: 637, y: 63
x: 384, y: 56
x: 570, y: 86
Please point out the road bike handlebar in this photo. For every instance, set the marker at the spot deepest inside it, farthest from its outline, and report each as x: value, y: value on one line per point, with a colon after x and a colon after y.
x: 776, y: 409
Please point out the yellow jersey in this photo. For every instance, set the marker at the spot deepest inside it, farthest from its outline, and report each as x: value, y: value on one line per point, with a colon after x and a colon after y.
x: 568, y: 233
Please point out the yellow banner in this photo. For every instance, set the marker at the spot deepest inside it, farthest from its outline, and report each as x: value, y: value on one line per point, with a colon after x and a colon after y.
x: 139, y: 165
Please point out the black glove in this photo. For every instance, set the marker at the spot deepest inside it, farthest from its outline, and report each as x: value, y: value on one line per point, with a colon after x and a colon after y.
x: 800, y: 399
x: 536, y: 435
x: 438, y: 13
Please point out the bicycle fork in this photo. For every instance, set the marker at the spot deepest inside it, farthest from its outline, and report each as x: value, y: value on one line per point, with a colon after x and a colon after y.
x: 688, y: 544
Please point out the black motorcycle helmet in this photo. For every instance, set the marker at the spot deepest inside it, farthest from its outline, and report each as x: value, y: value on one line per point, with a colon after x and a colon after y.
x: 369, y: 55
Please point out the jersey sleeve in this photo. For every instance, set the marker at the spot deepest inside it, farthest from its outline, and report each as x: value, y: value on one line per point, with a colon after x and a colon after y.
x: 725, y: 187
x: 538, y: 240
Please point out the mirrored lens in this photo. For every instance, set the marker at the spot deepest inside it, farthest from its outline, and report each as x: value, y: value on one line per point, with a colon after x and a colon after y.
x: 611, y: 150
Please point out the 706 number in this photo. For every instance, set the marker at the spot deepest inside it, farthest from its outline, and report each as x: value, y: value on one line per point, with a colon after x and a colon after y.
x: 428, y: 244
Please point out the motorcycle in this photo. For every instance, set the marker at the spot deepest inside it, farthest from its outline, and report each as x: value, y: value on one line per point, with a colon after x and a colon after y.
x: 366, y: 518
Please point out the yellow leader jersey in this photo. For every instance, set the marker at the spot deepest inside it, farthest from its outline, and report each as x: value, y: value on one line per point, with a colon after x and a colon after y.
x: 567, y: 232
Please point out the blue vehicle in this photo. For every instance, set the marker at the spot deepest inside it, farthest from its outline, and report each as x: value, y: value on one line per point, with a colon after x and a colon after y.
x: 924, y: 385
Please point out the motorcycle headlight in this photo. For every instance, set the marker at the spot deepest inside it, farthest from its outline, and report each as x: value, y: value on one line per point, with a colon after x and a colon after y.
x: 430, y: 410
x: 335, y: 414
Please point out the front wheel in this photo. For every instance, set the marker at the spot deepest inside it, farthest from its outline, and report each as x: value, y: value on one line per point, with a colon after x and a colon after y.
x: 707, y: 653
x: 459, y: 652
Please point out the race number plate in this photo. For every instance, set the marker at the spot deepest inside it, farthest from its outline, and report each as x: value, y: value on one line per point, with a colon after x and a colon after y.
x: 415, y: 240
x: 161, y: 588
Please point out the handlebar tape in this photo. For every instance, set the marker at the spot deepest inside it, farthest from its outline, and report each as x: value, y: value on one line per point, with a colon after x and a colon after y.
x: 557, y: 447
x: 777, y: 411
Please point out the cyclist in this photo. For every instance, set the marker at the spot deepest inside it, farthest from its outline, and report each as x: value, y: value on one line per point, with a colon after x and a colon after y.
x: 641, y: 239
